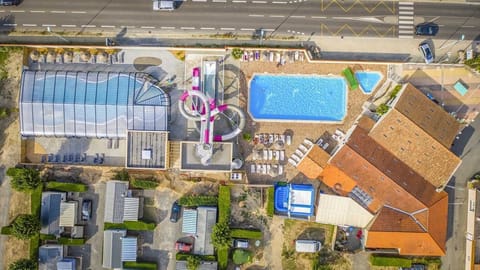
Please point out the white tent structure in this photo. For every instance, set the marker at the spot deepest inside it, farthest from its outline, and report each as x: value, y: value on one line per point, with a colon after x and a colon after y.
x: 339, y: 210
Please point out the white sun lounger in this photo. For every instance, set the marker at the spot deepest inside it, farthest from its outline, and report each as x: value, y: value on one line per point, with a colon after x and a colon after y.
x: 252, y: 168
x: 296, y: 158
x: 269, y: 167
x: 308, y: 143
x: 259, y: 168
x: 265, y: 154
x: 299, y: 153
x: 270, y: 154
x: 270, y: 138
x: 280, y: 169
x: 291, y: 161
x: 325, y: 146
x: 282, y: 155
x: 282, y: 138
x: 288, y: 139
x: 275, y: 137
x: 303, y: 148
x: 276, y: 155
x: 270, y: 58
x: 264, y: 168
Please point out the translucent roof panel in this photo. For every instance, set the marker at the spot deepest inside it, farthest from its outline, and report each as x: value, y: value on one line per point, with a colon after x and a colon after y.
x: 90, y: 104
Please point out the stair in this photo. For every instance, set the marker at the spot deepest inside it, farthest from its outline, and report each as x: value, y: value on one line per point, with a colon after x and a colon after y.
x: 174, y: 152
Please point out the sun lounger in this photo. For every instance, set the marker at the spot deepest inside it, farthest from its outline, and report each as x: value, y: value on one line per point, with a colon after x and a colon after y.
x: 270, y: 154
x: 269, y: 168
x: 271, y: 57
x: 288, y: 139
x: 296, y: 158
x: 252, y: 168
x: 282, y: 138
x: 270, y: 138
x: 278, y: 57
x: 265, y: 154
x: 303, y: 148
x: 275, y: 137
x: 245, y: 56
x: 250, y: 58
x: 282, y: 155
x: 308, y: 143
x: 319, y: 142
x: 259, y: 168
x: 257, y: 55
x: 299, y: 153
x: 291, y: 161
x: 325, y: 146
x: 277, y: 155
x: 296, y: 56
x: 280, y: 169
x: 264, y: 168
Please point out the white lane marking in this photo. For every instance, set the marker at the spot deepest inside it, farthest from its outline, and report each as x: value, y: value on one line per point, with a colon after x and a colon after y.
x: 167, y: 27
x: 17, y: 11
x: 147, y: 27
x: 279, y: 2
x: 69, y: 25
x: 79, y: 12
x: 406, y: 8
x: 256, y: 15
x: 88, y: 26
x: 405, y: 12
x: 227, y: 28
x: 219, y: 1
x: 127, y: 26
x: 405, y: 3
x: 29, y: 24
x: 259, y: 2
x: 404, y: 31
x: 108, y: 26
x: 199, y: 0
x: 49, y: 25
x: 402, y: 36
x: 269, y: 29
x: 58, y: 11
x: 187, y: 28
x: 207, y: 28
x: 405, y: 22
x: 239, y: 1
x: 319, y: 17
x: 277, y: 16
x: 10, y: 24
x: 467, y: 26
x: 37, y: 11
x: 297, y: 16
x: 247, y: 29
x: 1, y: 11
x: 405, y: 18
x: 405, y: 26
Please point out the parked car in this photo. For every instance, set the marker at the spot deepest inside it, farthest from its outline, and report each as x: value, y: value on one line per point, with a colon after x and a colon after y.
x: 86, y: 210
x: 183, y: 247
x: 427, y: 29
x: 175, y: 213
x: 240, y: 243
x: 9, y: 2
x: 427, y: 52
x: 163, y: 5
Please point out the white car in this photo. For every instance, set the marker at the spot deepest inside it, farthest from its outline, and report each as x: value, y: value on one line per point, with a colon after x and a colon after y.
x: 163, y: 5
x: 427, y: 53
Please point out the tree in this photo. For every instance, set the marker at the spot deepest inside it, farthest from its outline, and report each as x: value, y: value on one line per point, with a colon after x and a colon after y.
x: 221, y: 235
x: 193, y: 262
x: 23, y: 264
x: 241, y: 256
x: 24, y: 179
x: 25, y: 226
x: 382, y: 109
x: 237, y: 53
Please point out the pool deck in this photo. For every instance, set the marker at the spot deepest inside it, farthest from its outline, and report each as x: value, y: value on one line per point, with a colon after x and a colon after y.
x: 301, y: 130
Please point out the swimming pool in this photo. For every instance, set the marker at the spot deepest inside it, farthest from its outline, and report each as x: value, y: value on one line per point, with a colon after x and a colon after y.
x: 368, y: 80
x: 297, y: 98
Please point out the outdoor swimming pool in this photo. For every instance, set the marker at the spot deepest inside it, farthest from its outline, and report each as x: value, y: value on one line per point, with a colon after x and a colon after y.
x: 368, y: 80
x: 297, y: 98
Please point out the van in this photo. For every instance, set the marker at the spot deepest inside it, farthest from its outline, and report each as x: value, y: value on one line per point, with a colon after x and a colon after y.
x: 308, y: 246
x: 9, y: 2
x: 240, y: 243
x: 163, y: 5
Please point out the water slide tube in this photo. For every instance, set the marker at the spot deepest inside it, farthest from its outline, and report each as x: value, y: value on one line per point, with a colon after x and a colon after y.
x: 235, y: 132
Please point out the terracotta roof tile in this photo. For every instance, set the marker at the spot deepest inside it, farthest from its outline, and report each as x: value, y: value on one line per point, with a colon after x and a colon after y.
x: 366, y: 122
x: 313, y: 164
x: 416, y: 148
x: 428, y: 115
x: 389, y: 220
x: 337, y: 180
x: 407, y: 243
x: 438, y: 217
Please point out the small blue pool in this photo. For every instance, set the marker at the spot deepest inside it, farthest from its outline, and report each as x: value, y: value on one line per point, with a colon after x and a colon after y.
x: 368, y: 80
x: 297, y: 98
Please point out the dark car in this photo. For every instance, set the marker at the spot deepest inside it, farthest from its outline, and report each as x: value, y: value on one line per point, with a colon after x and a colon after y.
x: 86, y: 210
x: 183, y: 247
x: 426, y: 29
x: 175, y: 214
x: 9, y: 2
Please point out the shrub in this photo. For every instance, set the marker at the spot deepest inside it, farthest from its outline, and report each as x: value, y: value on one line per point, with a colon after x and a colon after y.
x: 382, y: 109
x: 395, y: 91
x: 201, y: 200
x: 222, y: 257
x: 67, y: 187
x: 25, y: 226
x: 33, y: 247
x: 193, y: 262
x: 122, y: 175
x: 184, y: 256
x: 241, y: 256
x: 23, y: 264
x: 237, y: 53
x: 6, y: 230
x: 248, y: 234
x: 47, y: 237
x: 247, y: 136
x: 140, y: 265
x: 24, y: 179
x: 390, y: 261
x: 224, y: 204
x: 144, y: 183
x: 71, y: 241
x: 4, y: 113
x: 221, y: 235
x: 270, y: 201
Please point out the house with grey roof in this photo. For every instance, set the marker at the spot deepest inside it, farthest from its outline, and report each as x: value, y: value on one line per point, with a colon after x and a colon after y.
x: 120, y: 205
x: 51, y: 257
x: 50, y: 212
x: 118, y: 248
x: 206, y: 220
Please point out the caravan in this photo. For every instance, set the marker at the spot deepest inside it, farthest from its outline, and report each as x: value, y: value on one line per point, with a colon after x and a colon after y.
x: 308, y: 246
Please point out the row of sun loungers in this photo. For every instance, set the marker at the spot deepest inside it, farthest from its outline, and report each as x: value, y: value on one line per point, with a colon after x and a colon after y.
x: 66, y: 158
x: 300, y: 152
x: 269, y: 138
x: 267, y: 168
x: 269, y: 154
x: 273, y: 56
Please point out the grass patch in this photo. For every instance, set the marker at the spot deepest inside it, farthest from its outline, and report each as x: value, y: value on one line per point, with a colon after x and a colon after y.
x: 71, y: 241
x: 6, y: 230
x: 67, y: 187
x: 34, y: 244
x: 144, y: 183
x: 270, y: 201
x: 201, y: 200
x: 140, y: 265
x: 47, y: 237
x: 36, y: 201
x: 224, y: 204
x: 241, y: 256
x: 390, y: 261
x: 184, y: 256
x: 222, y: 258
x: 248, y: 234
x: 130, y: 225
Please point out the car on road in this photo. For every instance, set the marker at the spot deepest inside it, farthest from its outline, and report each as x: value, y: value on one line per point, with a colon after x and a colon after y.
x: 240, y: 243
x: 426, y: 29
x: 175, y: 213
x: 183, y: 247
x: 9, y: 2
x: 167, y: 5
x: 86, y: 210
x: 427, y: 52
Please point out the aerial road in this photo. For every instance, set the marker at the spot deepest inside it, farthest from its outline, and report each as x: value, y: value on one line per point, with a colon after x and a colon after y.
x: 243, y: 17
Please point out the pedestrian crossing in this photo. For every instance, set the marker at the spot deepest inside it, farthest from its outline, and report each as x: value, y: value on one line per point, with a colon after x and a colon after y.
x: 405, y: 19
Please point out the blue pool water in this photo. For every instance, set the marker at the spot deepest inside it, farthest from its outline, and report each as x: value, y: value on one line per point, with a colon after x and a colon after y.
x: 368, y: 80
x: 294, y: 97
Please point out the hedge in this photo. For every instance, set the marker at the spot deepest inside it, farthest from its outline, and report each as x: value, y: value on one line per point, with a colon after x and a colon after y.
x: 184, y: 256
x: 270, y: 201
x: 140, y: 265
x: 222, y: 258
x: 390, y: 261
x: 200, y: 200
x: 34, y: 244
x: 224, y: 204
x: 71, y: 241
x: 131, y: 225
x: 67, y: 187
x: 36, y: 201
x: 247, y: 234
x: 7, y: 230
x: 47, y: 237
x: 144, y: 184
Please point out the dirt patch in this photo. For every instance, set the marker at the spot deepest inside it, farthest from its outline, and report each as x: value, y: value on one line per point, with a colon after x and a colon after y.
x: 141, y: 63
x: 17, y: 249
x: 248, y: 208
x: 19, y: 204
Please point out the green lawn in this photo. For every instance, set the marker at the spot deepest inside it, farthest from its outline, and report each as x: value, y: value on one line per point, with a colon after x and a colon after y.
x: 71, y: 241
x: 36, y: 201
x: 248, y: 234
x: 144, y: 183
x: 140, y: 265
x: 67, y: 187
x: 224, y: 204
x: 184, y: 256
x: 131, y: 225
x: 34, y: 244
x: 270, y: 201
x: 222, y: 258
x: 200, y: 200
x: 390, y: 261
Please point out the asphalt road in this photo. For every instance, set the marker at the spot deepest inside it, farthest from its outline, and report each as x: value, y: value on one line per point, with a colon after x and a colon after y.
x: 277, y: 17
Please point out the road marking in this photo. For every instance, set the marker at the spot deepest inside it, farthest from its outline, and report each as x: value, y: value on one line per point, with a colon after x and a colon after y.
x: 406, y: 3
x: 37, y: 11
x: 405, y: 17
x: 298, y: 17
x: 404, y: 36
x: 239, y: 1
x: 88, y: 26
x: 259, y: 2
x: 247, y: 29
x: 17, y: 11
x: 128, y: 26
x: 404, y: 31
x: 10, y: 24
x: 406, y: 8
x: 279, y: 2
x: 405, y: 26
x: 467, y: 26
x: 167, y: 27
x: 69, y: 25
x: 29, y: 24
x: 227, y: 29
x: 269, y: 29
x: 219, y: 1
x: 405, y: 12
x: 108, y: 26
x: 49, y: 25
x: 405, y: 22
x: 256, y: 15
x: 147, y: 27
x: 207, y: 28
x: 79, y: 12
x: 199, y: 0
x: 277, y: 16
x: 319, y: 17
x: 58, y: 11
x: 187, y: 28
x: 1, y: 11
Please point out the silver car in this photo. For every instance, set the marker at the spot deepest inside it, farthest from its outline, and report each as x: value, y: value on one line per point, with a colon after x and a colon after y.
x: 427, y: 52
